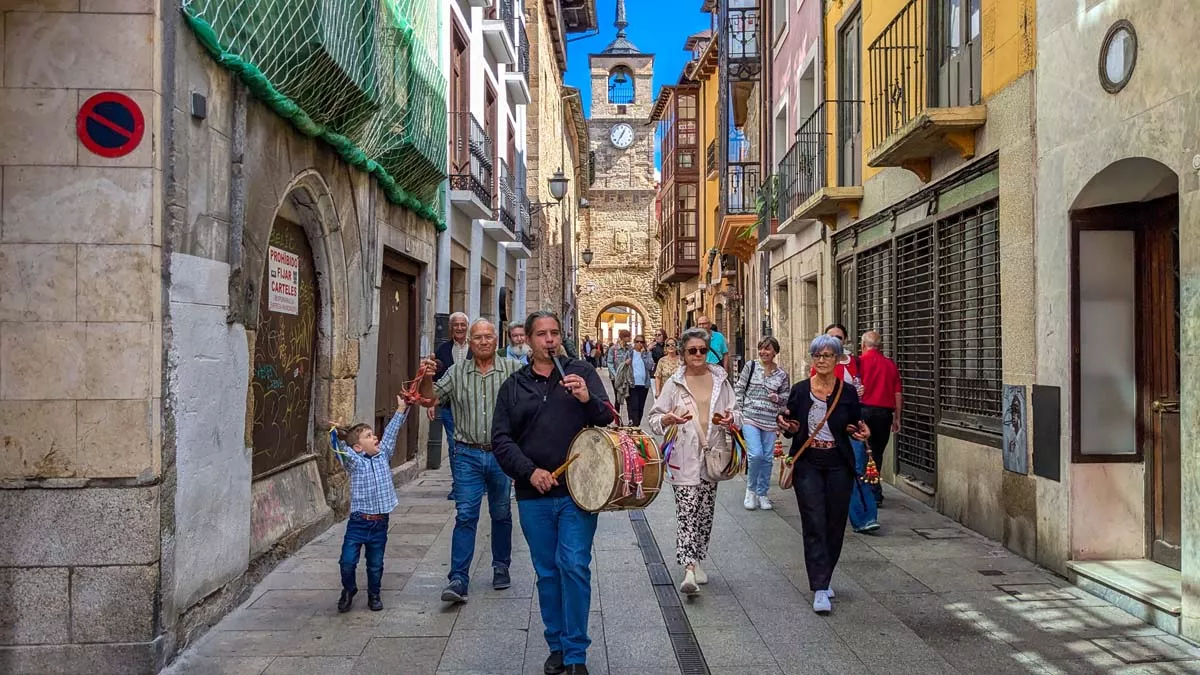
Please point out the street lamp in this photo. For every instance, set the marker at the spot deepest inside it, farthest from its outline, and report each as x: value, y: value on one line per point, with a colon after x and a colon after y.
x: 558, y: 185
x: 587, y: 256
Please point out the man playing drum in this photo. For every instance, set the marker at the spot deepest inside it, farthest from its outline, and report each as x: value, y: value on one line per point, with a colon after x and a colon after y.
x: 539, y: 410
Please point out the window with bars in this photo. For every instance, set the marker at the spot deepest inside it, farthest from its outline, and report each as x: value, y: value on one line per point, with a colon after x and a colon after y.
x: 934, y: 295
x: 969, y: 367
x: 873, y: 302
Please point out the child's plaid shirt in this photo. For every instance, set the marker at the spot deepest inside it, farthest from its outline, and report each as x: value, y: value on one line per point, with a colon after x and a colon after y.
x: 371, y: 488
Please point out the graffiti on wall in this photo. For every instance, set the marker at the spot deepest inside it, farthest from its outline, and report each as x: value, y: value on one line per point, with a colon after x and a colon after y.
x: 284, y: 349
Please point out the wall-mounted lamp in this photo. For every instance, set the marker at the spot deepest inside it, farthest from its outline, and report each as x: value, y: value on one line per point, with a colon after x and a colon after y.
x: 587, y: 256
x: 558, y: 185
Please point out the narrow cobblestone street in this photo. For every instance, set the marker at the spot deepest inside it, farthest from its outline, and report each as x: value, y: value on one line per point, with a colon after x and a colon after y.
x: 925, y: 596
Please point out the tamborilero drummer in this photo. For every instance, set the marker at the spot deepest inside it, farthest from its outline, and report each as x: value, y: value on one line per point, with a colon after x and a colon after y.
x: 539, y: 410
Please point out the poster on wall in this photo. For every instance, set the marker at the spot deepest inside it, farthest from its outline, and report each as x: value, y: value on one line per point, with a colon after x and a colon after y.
x: 1016, y: 457
x: 283, y: 279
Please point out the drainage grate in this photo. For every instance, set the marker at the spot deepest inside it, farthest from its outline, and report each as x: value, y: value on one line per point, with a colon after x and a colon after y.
x: 991, y: 573
x: 683, y: 639
x: 688, y: 654
x: 659, y: 576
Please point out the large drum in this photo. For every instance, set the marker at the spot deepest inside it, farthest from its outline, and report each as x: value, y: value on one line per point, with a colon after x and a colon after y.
x: 597, y: 478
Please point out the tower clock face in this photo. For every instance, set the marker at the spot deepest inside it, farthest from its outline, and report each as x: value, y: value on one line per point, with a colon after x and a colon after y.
x: 621, y: 135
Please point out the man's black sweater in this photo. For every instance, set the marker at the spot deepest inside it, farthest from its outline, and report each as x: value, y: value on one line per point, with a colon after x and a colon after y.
x: 536, y: 419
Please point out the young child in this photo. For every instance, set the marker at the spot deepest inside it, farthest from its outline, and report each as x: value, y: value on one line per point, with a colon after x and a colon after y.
x: 368, y: 461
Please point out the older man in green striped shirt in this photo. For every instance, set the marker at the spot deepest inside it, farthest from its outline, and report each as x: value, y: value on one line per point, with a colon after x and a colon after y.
x: 469, y: 387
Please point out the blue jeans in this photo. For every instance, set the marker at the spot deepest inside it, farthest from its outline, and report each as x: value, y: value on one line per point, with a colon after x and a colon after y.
x: 447, y: 417
x: 373, y: 535
x: 476, y: 472
x: 760, y: 445
x: 560, y: 543
x: 863, y: 509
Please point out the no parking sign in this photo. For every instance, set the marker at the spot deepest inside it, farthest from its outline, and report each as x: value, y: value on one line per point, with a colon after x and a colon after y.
x: 110, y: 124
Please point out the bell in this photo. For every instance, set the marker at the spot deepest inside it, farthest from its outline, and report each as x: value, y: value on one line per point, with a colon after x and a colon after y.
x: 620, y: 79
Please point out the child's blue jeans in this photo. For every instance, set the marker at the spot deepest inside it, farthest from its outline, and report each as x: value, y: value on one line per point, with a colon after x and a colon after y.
x: 373, y: 535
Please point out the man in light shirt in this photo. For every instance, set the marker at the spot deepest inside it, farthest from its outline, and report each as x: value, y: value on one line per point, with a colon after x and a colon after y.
x: 642, y: 365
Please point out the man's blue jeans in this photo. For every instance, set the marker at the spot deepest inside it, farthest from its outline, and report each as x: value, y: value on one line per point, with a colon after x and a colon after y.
x: 760, y: 445
x: 447, y: 417
x: 476, y: 472
x: 560, y: 544
x: 372, y: 534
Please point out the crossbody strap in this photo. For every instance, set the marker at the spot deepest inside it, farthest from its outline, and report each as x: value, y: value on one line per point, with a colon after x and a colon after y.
x: 821, y: 425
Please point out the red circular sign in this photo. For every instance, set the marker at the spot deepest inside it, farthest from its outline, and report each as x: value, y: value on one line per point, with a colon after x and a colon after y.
x: 110, y: 124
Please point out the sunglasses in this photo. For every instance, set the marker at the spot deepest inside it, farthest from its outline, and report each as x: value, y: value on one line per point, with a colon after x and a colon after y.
x: 697, y: 351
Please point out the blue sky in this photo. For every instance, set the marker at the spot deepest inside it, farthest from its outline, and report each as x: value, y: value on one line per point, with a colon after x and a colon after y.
x: 659, y: 27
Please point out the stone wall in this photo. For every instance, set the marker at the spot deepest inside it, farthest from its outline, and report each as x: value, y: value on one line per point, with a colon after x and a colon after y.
x: 620, y: 231
x: 80, y: 326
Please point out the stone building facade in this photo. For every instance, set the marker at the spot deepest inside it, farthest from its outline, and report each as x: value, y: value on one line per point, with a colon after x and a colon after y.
x: 620, y: 228
x: 141, y: 494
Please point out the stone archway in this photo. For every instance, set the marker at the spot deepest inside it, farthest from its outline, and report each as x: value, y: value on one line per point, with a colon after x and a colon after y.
x: 303, y: 351
x: 594, y: 320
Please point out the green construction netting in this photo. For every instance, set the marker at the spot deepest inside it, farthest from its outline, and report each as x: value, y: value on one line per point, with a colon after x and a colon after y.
x: 362, y: 75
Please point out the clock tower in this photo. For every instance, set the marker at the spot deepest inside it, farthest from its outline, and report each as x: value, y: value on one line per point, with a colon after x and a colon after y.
x: 620, y: 227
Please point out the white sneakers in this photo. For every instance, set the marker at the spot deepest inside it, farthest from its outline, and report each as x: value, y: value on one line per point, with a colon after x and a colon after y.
x: 751, y: 501
x: 821, y: 604
x: 689, y: 585
x: 701, y: 576
x: 829, y: 592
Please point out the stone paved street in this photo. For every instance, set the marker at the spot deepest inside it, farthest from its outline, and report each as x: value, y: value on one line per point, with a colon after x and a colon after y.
x: 926, y: 596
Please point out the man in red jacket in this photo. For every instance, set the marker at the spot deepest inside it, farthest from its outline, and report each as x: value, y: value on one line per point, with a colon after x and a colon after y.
x: 881, y: 400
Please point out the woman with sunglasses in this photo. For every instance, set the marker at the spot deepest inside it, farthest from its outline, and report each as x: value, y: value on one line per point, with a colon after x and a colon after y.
x: 823, y: 412
x: 698, y: 401
x: 667, y: 365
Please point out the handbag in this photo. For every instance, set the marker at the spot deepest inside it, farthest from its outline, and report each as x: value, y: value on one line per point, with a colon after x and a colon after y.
x: 787, y: 467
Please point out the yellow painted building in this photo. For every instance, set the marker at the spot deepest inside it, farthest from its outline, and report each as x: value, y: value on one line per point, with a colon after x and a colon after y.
x: 919, y: 162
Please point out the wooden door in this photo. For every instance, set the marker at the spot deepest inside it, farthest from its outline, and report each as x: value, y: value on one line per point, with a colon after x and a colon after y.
x: 398, y: 338
x: 849, y: 112
x: 460, y: 97
x: 960, y: 52
x: 1158, y: 380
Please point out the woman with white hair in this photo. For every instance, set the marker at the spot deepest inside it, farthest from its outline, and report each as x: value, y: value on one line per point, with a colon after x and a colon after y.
x: 699, y: 402
x: 823, y: 413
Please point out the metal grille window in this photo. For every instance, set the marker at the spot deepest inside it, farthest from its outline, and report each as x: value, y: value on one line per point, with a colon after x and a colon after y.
x: 845, y: 294
x: 916, y: 355
x: 873, y: 302
x: 969, y: 365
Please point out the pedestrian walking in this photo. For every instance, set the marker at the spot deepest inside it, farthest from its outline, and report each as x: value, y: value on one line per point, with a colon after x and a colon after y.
x: 659, y: 348
x: 368, y: 461
x: 454, y: 350
x: 823, y: 414
x: 589, y: 350
x: 517, y: 349
x: 539, y: 411
x: 641, y: 368
x: 762, y: 393
x: 614, y: 360
x: 848, y: 367
x: 470, y: 388
x: 718, y: 353
x: 667, y: 365
x: 882, y: 399
x: 697, y: 401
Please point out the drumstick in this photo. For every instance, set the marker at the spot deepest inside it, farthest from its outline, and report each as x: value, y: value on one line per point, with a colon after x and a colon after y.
x: 559, y: 471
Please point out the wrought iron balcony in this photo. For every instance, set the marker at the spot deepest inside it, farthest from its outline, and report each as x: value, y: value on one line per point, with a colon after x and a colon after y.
x: 710, y: 158
x: 471, y: 168
x: 523, y: 52
x: 507, y: 198
x: 500, y: 32
x: 831, y: 135
x: 925, y: 86
x: 742, y: 36
x: 742, y: 180
x: 525, y: 233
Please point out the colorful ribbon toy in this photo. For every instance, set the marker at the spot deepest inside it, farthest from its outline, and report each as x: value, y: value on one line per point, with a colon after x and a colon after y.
x: 667, y: 446
x: 633, y: 465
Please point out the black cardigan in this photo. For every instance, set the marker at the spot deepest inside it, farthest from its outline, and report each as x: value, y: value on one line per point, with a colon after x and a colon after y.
x: 847, y: 412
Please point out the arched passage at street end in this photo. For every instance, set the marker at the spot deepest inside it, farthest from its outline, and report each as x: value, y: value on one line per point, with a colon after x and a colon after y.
x: 620, y: 313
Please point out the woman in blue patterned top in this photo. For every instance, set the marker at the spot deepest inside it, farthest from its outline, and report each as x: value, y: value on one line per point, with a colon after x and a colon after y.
x: 762, y: 392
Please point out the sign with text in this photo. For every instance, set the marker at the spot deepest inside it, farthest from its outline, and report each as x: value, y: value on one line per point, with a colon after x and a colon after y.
x: 283, y: 279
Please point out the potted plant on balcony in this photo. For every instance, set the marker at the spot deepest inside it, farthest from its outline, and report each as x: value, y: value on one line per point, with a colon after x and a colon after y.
x: 766, y: 206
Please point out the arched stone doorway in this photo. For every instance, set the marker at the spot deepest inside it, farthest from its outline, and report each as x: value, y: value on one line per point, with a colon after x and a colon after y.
x: 1125, y: 346
x: 302, y: 373
x: 620, y: 314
